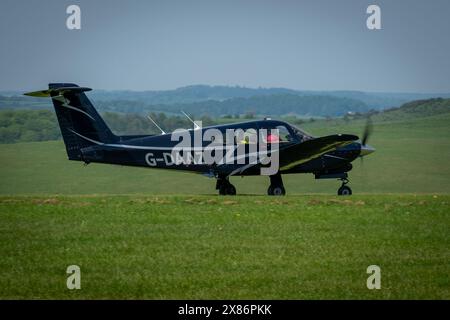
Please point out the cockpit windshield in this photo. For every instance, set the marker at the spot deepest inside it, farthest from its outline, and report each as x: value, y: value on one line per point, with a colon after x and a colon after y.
x: 301, y: 134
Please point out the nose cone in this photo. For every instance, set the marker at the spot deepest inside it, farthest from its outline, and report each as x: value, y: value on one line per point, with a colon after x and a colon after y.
x: 366, y: 150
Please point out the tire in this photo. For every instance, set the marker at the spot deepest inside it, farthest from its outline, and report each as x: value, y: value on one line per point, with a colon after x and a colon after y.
x: 276, y: 191
x: 227, y: 189
x: 231, y: 190
x: 223, y: 190
x: 344, y: 191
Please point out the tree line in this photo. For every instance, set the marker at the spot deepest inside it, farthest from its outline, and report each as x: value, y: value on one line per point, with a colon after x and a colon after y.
x: 41, y: 125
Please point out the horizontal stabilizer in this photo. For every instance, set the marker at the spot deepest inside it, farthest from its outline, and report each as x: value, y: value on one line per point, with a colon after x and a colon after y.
x: 56, y: 91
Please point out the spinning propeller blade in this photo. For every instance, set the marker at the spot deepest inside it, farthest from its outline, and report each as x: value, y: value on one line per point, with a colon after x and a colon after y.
x: 365, y: 148
x: 367, y: 131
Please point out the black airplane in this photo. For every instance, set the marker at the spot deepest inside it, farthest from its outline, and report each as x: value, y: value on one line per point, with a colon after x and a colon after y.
x: 88, y: 139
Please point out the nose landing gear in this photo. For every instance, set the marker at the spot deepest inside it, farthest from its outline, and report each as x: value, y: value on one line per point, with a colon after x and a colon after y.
x: 344, y: 190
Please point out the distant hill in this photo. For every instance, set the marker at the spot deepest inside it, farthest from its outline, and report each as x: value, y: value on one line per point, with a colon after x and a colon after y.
x: 416, y: 109
x: 268, y: 105
x: 382, y: 100
x: 220, y: 100
x: 197, y: 93
x: 40, y: 125
x: 188, y: 94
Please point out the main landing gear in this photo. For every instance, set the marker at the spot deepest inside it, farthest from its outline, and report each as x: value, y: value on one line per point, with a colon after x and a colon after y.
x: 276, y: 187
x: 344, y: 190
x: 225, y: 187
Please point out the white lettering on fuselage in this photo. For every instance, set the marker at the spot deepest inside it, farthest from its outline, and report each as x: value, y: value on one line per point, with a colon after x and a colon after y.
x: 237, y: 147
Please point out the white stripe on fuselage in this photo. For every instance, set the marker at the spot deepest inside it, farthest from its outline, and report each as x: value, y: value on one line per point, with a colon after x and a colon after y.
x: 129, y: 146
x: 336, y: 157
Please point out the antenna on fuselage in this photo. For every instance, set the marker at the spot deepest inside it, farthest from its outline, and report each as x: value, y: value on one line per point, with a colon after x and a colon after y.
x: 196, y: 126
x: 150, y: 118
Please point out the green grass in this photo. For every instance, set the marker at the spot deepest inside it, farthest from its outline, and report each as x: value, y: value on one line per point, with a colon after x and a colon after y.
x: 411, y: 156
x: 210, y: 247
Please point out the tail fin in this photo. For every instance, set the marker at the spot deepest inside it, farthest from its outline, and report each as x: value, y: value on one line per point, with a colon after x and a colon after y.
x: 81, y: 125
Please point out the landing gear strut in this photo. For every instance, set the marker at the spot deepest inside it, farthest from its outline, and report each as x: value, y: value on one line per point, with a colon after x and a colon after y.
x: 225, y: 187
x: 276, y: 187
x: 344, y: 190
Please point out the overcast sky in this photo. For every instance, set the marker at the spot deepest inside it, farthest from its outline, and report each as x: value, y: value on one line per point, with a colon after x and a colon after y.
x: 152, y: 45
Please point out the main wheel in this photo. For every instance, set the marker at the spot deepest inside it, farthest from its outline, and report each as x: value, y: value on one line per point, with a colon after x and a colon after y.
x: 231, y: 190
x: 223, y: 190
x: 344, y: 191
x: 276, y: 191
x: 227, y: 189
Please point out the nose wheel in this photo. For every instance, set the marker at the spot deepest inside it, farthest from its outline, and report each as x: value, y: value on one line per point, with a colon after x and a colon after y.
x: 344, y: 190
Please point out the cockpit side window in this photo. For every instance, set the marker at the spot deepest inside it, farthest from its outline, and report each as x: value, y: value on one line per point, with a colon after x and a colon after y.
x: 282, y: 135
x: 300, y: 134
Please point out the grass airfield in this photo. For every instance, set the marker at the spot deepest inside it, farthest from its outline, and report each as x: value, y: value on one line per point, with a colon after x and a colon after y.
x: 156, y: 234
x: 209, y: 247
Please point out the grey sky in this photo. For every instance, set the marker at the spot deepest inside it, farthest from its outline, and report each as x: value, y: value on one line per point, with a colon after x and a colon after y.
x: 307, y: 45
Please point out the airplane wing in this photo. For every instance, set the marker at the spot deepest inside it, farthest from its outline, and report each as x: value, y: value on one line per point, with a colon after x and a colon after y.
x: 310, y: 149
x: 302, y: 152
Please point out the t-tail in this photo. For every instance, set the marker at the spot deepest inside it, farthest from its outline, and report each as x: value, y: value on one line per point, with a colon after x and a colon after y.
x: 81, y: 125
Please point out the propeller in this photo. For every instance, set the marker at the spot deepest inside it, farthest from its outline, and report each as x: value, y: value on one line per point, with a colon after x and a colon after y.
x: 367, y: 131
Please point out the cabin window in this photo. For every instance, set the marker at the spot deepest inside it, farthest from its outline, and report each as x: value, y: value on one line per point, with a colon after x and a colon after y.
x: 283, y: 134
x: 250, y: 136
x: 301, y: 135
x: 241, y: 136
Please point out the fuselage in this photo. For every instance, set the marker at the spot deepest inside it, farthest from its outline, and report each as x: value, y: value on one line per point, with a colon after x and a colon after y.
x: 156, y: 151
